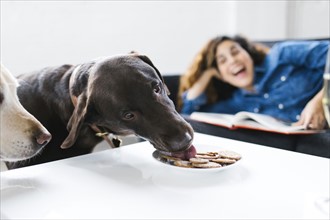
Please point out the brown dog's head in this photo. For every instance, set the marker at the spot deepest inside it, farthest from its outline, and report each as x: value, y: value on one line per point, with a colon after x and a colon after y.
x: 127, y: 95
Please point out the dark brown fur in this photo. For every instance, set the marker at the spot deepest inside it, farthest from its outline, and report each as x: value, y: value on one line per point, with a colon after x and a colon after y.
x: 109, y: 91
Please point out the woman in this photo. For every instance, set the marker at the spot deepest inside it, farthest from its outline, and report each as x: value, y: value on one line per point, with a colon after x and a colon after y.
x: 284, y: 81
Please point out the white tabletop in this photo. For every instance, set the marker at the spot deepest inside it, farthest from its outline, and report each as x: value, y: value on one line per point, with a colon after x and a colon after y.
x: 127, y: 183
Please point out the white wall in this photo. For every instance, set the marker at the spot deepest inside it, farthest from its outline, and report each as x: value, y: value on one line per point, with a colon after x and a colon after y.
x: 280, y: 19
x: 308, y: 18
x: 35, y: 34
x: 261, y: 20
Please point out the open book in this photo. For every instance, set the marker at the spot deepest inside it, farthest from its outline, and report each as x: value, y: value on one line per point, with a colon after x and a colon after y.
x: 249, y: 120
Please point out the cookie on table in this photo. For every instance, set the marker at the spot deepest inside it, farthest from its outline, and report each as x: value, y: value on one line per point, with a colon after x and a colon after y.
x: 206, y: 165
x: 169, y: 158
x: 183, y: 163
x: 198, y: 160
x: 223, y: 160
x: 207, y: 156
x: 229, y: 155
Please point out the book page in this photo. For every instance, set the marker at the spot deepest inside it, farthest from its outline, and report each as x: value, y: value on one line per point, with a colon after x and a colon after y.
x: 249, y: 120
x: 266, y: 121
x: 214, y: 118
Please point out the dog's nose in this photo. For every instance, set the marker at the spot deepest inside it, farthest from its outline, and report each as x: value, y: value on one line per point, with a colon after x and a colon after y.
x: 186, y: 141
x: 43, y: 138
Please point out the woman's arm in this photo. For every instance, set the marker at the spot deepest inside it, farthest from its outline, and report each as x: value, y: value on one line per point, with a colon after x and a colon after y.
x: 200, y: 85
x: 309, y: 54
x: 312, y: 116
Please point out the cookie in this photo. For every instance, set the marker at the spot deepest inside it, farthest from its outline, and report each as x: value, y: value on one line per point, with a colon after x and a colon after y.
x: 198, y: 160
x: 206, y: 165
x: 208, y: 153
x: 207, y: 156
x: 169, y: 158
x: 183, y: 163
x: 229, y: 154
x: 223, y: 160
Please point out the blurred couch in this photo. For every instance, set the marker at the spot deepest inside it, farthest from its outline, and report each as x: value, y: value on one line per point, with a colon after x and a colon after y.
x: 314, y: 144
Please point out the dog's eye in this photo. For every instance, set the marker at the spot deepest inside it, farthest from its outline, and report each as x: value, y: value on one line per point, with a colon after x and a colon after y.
x: 157, y: 88
x: 128, y: 116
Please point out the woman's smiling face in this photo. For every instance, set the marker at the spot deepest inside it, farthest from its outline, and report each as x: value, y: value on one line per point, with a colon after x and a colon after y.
x: 235, y: 65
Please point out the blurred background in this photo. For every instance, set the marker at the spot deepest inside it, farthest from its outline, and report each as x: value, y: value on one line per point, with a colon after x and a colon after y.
x: 35, y: 34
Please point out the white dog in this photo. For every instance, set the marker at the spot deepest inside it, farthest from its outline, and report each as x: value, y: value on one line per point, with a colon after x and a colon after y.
x: 22, y: 136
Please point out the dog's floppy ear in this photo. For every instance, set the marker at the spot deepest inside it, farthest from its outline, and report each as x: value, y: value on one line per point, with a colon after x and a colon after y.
x: 81, y: 78
x: 76, y: 121
x: 78, y: 89
x: 148, y: 61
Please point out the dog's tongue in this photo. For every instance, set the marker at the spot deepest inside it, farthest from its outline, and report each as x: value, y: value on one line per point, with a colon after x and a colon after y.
x: 185, y: 155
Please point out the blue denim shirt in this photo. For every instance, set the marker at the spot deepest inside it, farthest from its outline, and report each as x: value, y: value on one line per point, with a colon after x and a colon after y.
x: 290, y: 76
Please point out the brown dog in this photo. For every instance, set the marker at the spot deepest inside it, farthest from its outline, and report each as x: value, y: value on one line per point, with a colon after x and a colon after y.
x: 22, y: 136
x: 120, y: 95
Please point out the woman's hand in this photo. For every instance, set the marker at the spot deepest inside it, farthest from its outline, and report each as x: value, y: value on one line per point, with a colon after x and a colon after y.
x: 213, y: 72
x: 201, y: 84
x: 312, y: 116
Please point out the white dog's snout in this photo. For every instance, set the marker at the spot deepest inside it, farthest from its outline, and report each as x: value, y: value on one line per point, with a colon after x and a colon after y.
x: 43, y: 138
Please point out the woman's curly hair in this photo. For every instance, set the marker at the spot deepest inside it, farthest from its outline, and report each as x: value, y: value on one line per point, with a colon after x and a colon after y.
x: 205, y: 59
